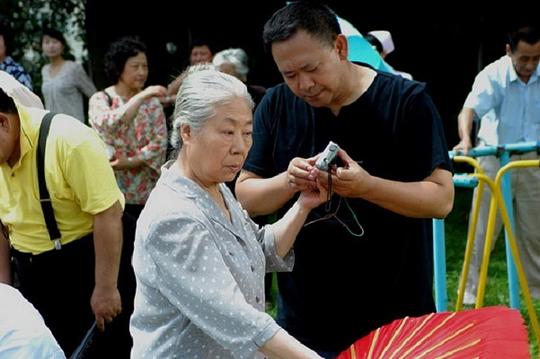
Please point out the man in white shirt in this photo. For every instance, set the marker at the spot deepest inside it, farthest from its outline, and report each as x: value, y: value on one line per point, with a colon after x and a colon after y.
x: 23, y: 333
x: 506, y: 97
x: 18, y: 91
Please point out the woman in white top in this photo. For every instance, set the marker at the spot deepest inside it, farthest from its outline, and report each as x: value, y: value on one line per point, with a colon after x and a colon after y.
x: 64, y: 81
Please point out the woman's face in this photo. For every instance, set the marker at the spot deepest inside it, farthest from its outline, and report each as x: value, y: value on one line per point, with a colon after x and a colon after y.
x: 51, y: 47
x: 135, y: 72
x: 217, y: 151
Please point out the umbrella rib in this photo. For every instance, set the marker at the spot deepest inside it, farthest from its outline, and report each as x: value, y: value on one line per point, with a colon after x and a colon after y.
x: 418, y: 343
x: 394, y: 335
x: 373, y: 343
x: 406, y: 340
x: 456, y: 333
x: 458, y: 349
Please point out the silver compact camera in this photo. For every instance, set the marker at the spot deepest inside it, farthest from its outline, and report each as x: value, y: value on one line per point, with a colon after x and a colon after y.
x: 327, y: 156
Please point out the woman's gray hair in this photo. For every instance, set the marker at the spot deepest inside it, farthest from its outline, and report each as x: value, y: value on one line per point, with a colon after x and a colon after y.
x: 200, y: 93
x: 236, y: 57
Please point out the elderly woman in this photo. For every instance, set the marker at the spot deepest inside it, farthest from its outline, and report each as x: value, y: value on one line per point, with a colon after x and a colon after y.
x: 199, y: 260
x: 131, y: 121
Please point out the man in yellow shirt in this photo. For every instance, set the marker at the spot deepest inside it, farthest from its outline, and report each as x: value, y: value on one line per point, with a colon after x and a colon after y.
x: 77, y: 283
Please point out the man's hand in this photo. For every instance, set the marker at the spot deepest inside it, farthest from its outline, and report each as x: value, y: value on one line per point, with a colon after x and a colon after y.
x: 106, y: 305
x: 351, y: 180
x: 463, y: 146
x: 125, y: 163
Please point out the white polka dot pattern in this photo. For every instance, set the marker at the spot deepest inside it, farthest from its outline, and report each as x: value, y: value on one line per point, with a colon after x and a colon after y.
x: 200, y: 278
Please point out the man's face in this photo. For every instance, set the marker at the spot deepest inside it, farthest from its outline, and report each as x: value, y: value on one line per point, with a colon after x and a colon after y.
x: 200, y: 54
x: 9, y: 138
x: 2, y: 48
x: 525, y: 59
x: 310, y: 68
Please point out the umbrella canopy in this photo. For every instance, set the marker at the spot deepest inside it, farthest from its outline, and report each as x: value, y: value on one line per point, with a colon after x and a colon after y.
x: 491, y: 332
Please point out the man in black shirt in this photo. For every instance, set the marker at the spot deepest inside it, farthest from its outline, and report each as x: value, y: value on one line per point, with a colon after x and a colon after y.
x: 367, y: 259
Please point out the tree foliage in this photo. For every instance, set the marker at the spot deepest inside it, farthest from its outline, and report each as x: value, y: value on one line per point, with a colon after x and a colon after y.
x: 27, y: 19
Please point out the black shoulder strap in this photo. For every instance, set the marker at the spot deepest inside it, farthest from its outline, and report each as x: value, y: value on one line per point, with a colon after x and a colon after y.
x: 109, y: 98
x: 44, y: 197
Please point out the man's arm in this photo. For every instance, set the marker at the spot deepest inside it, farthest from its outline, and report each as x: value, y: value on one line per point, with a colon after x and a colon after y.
x: 105, y: 301
x: 465, y: 121
x: 5, y: 265
x: 432, y: 197
x: 260, y: 196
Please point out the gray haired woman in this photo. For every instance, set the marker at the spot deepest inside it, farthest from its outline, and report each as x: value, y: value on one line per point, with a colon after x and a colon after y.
x: 199, y: 260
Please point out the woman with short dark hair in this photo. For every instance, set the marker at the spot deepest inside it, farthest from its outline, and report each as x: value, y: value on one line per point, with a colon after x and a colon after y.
x: 130, y: 120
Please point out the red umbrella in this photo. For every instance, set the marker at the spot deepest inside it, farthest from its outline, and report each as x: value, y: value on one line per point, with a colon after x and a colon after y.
x: 491, y: 332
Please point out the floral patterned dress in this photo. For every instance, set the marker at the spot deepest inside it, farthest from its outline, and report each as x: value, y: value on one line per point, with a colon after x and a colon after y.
x: 144, y: 136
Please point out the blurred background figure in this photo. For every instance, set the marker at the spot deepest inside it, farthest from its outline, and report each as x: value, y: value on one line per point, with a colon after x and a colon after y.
x: 18, y: 91
x: 505, y: 98
x: 64, y: 81
x: 7, y: 63
x: 23, y: 333
x: 382, y: 42
x: 130, y: 120
x: 235, y: 62
x: 201, y: 52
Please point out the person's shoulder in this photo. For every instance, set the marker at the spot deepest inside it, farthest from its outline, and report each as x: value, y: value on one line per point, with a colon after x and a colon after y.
x: 69, y: 130
x: 498, y: 68
x: 10, y: 62
x: 173, y: 199
x: 282, y: 94
x: 278, y: 90
x: 73, y: 66
x: 393, y: 83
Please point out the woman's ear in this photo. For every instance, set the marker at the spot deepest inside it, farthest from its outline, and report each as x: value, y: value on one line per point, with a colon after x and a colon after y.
x: 186, y: 133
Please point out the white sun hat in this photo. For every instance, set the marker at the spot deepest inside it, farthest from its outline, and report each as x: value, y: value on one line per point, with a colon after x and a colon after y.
x: 385, y: 38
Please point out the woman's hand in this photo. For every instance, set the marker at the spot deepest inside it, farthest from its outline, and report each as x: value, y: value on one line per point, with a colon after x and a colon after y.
x: 154, y: 91
x: 311, y: 198
x: 298, y: 174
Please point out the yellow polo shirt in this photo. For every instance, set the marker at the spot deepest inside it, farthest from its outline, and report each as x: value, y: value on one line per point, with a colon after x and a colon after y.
x: 79, y: 178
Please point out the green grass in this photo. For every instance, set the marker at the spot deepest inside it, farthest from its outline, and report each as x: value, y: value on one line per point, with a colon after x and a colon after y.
x: 497, y: 284
x: 456, y: 236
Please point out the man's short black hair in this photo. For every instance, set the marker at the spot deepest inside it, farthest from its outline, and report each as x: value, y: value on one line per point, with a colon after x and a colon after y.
x: 315, y: 18
x: 7, y: 34
x: 7, y: 105
x: 198, y: 42
x: 529, y: 34
x: 118, y: 54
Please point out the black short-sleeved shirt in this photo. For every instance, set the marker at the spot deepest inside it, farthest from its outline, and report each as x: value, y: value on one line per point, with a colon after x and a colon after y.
x: 343, y: 286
